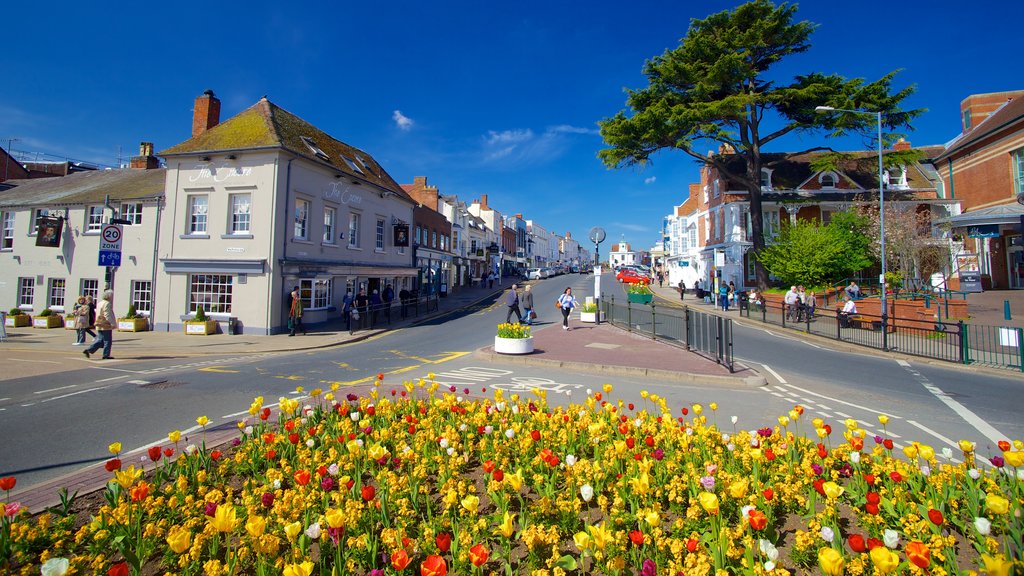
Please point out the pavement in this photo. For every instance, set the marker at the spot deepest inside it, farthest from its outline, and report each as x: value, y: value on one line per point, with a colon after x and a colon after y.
x: 585, y: 348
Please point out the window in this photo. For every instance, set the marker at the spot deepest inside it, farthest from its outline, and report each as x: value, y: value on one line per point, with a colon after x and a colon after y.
x: 828, y: 180
x: 26, y: 292
x: 142, y: 296
x: 301, y: 220
x: 380, y: 233
x: 693, y: 236
x: 770, y: 224
x: 316, y: 294
x: 721, y: 226
x: 419, y: 234
x: 55, y: 296
x: 94, y: 218
x: 352, y: 164
x: 330, y: 224
x: 241, y: 213
x: 132, y: 212
x: 212, y: 292
x: 197, y: 213
x: 311, y: 144
x: 433, y: 238
x: 91, y: 287
x: 353, y: 230
x: 716, y: 188
x: 472, y: 246
x: 1018, y: 172
x: 766, y: 179
x: 37, y: 214
x: 7, y: 233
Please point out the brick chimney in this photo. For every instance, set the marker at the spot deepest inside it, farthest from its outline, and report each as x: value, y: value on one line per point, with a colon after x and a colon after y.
x: 483, y: 202
x: 901, y: 145
x: 206, y: 113
x: 145, y: 160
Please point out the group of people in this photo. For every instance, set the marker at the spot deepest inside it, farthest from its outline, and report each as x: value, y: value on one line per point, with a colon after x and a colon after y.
x: 89, y: 315
x: 360, y: 308
x: 800, y: 304
x: 566, y: 303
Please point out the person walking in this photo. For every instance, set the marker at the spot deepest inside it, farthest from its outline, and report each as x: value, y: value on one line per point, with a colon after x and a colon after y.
x: 528, y: 304
x: 362, y: 308
x: 661, y: 278
x: 682, y: 290
x: 376, y: 303
x: 105, y: 323
x: 82, y: 323
x: 295, y: 313
x: 566, y: 302
x: 490, y: 280
x: 92, y: 314
x: 388, y: 296
x: 723, y: 296
x: 792, y: 302
x: 346, y: 309
x: 512, y: 302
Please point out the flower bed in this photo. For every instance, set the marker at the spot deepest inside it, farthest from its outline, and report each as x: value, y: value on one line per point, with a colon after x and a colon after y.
x: 408, y: 480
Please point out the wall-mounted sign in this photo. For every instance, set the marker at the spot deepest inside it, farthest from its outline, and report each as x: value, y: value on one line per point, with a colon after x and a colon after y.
x: 983, y: 231
x: 402, y: 235
x: 49, y: 230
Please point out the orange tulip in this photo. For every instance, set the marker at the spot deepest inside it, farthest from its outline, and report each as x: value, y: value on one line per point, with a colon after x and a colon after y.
x: 434, y: 566
x: 478, y: 555
x: 918, y: 553
x: 757, y: 519
x: 400, y: 560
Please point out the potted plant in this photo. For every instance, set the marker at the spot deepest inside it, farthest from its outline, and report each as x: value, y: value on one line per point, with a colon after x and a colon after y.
x: 132, y: 322
x: 16, y: 318
x: 513, y: 339
x: 639, y: 293
x: 589, y: 312
x: 47, y: 319
x: 200, y: 324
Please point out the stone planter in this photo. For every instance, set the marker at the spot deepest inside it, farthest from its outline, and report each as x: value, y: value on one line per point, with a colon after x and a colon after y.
x: 19, y: 321
x: 590, y: 317
x: 640, y: 298
x: 132, y: 324
x: 47, y: 321
x: 201, y: 328
x: 69, y: 323
x: 513, y: 345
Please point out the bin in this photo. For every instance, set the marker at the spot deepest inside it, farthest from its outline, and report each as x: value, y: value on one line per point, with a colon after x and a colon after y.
x: 232, y: 326
x: 744, y: 299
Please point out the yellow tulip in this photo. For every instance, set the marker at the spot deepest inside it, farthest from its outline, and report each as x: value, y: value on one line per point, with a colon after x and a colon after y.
x: 818, y: 423
x: 304, y: 569
x: 292, y: 531
x: 784, y: 420
x: 506, y: 528
x: 755, y: 454
x: 515, y: 480
x: 125, y: 478
x: 885, y: 560
x: 255, y: 526
x: 966, y: 446
x: 713, y: 406
x: 607, y: 388
x: 738, y: 489
x: 114, y: 448
x: 697, y: 409
x: 821, y: 432
x: 910, y: 450
x: 996, y: 504
x: 850, y: 423
x: 377, y: 452
x: 709, y: 502
x: 653, y: 518
x: 883, y: 419
x: 831, y: 561
x: 582, y: 540
x: 224, y: 519
x: 926, y: 452
x: 996, y: 565
x: 335, y: 518
x: 600, y: 536
x: 179, y: 539
x: 353, y: 447
x: 471, y: 503
x: 202, y: 421
x: 1014, y: 458
x: 793, y: 415
x: 833, y: 490
x: 174, y: 436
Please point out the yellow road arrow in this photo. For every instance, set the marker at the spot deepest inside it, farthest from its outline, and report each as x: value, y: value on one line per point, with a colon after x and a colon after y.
x: 218, y: 369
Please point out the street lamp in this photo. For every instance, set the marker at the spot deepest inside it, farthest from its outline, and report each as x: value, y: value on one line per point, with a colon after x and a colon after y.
x: 881, y: 206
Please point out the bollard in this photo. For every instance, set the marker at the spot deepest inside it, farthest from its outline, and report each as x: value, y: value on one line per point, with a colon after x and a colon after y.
x: 1006, y: 310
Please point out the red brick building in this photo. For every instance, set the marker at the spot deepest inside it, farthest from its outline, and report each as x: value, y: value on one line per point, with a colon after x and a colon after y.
x: 431, y: 239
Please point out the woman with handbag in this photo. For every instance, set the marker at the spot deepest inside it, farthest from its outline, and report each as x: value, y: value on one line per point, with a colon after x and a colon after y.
x: 527, y: 299
x: 566, y: 302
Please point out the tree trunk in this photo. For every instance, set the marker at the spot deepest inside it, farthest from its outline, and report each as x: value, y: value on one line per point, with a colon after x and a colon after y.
x: 756, y: 217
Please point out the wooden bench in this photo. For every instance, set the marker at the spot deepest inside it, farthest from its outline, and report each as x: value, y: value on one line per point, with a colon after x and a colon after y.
x: 863, y: 322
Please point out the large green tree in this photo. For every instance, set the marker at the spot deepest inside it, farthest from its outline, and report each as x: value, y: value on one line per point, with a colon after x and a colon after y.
x: 716, y: 87
x: 815, y: 255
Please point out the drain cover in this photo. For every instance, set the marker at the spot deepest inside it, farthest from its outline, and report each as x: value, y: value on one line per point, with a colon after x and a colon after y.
x: 163, y: 384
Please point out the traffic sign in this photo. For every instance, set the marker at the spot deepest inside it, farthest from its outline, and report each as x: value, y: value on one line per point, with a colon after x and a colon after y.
x: 110, y: 245
x: 110, y: 258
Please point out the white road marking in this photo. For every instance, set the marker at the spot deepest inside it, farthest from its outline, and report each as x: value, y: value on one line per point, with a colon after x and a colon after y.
x: 934, y: 433
x: 837, y: 401
x: 986, y: 429
x: 139, y: 382
x: 76, y: 393
x: 55, y: 389
x: 775, y: 374
x: 2, y: 399
x: 842, y: 415
x: 903, y: 363
x: 34, y: 361
x: 113, y: 378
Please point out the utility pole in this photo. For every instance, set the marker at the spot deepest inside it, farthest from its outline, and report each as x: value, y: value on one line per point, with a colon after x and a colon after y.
x: 7, y: 162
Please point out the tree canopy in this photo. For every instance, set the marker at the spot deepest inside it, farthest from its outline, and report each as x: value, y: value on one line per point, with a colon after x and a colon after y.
x: 714, y: 87
x: 812, y: 254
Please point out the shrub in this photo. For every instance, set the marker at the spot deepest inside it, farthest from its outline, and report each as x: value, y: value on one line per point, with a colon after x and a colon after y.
x: 15, y: 312
x: 46, y: 312
x: 200, y: 314
x: 132, y: 313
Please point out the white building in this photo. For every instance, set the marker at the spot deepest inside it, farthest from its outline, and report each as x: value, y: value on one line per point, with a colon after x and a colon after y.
x: 622, y: 255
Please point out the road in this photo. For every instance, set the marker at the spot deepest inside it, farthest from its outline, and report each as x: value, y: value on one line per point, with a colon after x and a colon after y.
x: 53, y: 425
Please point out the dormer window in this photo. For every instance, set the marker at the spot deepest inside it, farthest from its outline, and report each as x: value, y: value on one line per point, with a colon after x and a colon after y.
x: 766, y: 179
x: 311, y: 144
x: 828, y: 180
x: 352, y: 164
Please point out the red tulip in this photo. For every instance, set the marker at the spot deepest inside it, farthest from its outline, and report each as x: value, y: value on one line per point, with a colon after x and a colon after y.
x: 636, y: 537
x: 630, y: 442
x: 139, y: 492
x: 768, y: 494
x: 265, y: 414
x: 119, y: 569
x: 434, y: 566
x: 887, y: 443
x: 691, y: 545
x: 293, y: 438
x: 869, y: 479
x: 1003, y: 445
x: 302, y: 477
x: 871, y: 509
x: 918, y: 553
x: 271, y: 454
x: 935, y: 516
x: 873, y: 498
x: 896, y: 476
x: 488, y: 466
x: 499, y: 475
x: 478, y: 555
x: 649, y: 441
x: 8, y: 483
x: 769, y: 454
x: 821, y: 451
x: 757, y: 519
x: 856, y: 542
x: 368, y: 493
x: 535, y: 434
x: 215, y: 455
x: 630, y: 405
x: 874, y: 543
x: 819, y: 486
x: 444, y: 541
x: 154, y: 453
x: 400, y: 560
x: 168, y: 452
x: 113, y: 464
x: 289, y: 425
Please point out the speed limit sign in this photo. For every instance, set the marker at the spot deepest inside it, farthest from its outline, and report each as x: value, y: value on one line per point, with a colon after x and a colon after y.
x: 110, y: 245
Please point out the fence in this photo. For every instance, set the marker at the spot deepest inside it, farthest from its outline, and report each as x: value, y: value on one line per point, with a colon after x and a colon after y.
x: 706, y: 334
x: 949, y: 341
x: 371, y: 316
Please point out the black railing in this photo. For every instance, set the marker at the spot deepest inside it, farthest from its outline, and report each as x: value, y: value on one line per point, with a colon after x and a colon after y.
x: 707, y: 334
x: 376, y: 315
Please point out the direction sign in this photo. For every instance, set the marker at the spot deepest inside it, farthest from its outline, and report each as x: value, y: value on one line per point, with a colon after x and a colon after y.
x: 110, y: 245
x: 110, y: 258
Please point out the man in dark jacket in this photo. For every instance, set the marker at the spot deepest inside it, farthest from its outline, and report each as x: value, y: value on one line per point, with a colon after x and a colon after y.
x: 528, y: 304
x: 512, y: 301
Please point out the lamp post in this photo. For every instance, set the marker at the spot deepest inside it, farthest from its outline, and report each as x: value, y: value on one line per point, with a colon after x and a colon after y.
x: 881, y: 210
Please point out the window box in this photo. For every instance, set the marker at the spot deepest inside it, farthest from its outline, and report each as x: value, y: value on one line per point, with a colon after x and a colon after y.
x: 200, y: 327
x: 51, y: 321
x: 18, y: 321
x: 140, y: 324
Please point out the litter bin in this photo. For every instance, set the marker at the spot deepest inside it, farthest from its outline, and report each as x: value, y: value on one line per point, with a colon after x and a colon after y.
x: 232, y: 325
x: 744, y: 300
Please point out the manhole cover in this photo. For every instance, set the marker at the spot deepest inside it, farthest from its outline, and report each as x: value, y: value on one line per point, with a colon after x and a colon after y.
x: 163, y: 384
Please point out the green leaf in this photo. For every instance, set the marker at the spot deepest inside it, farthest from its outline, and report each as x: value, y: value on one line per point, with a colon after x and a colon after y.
x: 566, y: 562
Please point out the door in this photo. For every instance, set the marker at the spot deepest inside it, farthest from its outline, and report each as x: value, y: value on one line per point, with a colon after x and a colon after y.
x: 1015, y: 262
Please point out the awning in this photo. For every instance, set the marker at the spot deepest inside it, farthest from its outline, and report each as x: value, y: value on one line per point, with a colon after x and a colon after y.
x: 1003, y: 214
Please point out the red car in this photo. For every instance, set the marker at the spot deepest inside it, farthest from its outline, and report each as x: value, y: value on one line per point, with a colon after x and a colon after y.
x: 631, y: 277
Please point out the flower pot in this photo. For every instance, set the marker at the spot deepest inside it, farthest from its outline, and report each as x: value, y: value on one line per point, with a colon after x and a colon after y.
x: 640, y: 298
x: 201, y: 328
x: 590, y: 317
x: 19, y: 321
x: 513, y: 345
x: 132, y: 324
x: 47, y: 321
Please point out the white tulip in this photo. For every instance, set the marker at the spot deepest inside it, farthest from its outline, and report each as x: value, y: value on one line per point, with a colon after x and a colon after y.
x: 313, y: 531
x: 827, y: 534
x: 983, y: 526
x: 587, y: 492
x: 891, y: 538
x: 974, y: 473
x: 444, y: 442
x: 570, y: 460
x: 769, y: 566
x: 354, y: 416
x: 310, y: 443
x: 510, y: 433
x: 462, y: 428
x: 55, y: 567
x: 947, y: 452
x: 451, y: 451
x: 855, y: 457
x: 735, y: 419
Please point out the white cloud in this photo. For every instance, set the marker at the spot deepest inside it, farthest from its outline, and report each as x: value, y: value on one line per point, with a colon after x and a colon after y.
x: 650, y: 179
x: 521, y: 146
x: 402, y: 121
x: 506, y: 136
x: 567, y: 129
x: 632, y: 227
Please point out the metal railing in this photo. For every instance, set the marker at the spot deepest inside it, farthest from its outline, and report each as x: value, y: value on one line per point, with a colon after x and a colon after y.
x: 372, y: 316
x: 707, y: 334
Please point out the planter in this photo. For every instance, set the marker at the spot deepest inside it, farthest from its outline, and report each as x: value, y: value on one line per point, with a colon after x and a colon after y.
x: 69, y: 323
x: 47, y: 321
x: 132, y: 324
x: 640, y: 298
x: 590, y: 317
x: 513, y: 345
x: 201, y: 328
x: 19, y: 321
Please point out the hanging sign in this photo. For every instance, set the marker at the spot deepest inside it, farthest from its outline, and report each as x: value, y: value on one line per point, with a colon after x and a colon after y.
x: 48, y: 231
x: 402, y: 235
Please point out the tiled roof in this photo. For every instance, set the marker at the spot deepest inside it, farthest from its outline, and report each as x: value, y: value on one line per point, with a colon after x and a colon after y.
x: 1010, y: 112
x: 89, y: 187
x: 267, y: 125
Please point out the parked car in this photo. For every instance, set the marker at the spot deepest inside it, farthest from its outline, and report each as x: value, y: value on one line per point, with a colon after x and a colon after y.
x: 535, y: 274
x: 632, y: 277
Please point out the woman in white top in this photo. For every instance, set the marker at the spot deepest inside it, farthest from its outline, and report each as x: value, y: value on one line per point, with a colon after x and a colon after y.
x: 566, y: 302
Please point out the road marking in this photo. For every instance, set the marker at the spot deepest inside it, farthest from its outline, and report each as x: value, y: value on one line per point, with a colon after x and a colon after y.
x: 113, y: 378
x: 218, y: 370
x: 55, y: 389
x: 844, y: 402
x: 2, y: 399
x: 934, y: 433
x: 986, y: 429
x: 903, y: 363
x: 292, y: 377
x: 76, y: 393
x: 138, y: 382
x: 35, y: 361
x: 774, y: 373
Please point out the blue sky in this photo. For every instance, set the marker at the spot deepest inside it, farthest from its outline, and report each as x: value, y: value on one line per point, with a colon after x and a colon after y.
x: 496, y: 98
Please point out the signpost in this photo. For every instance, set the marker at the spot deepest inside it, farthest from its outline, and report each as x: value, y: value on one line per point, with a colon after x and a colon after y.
x: 597, y: 235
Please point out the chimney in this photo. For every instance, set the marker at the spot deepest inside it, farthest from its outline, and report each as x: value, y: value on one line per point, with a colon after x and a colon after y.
x: 420, y: 181
x: 901, y: 145
x: 483, y: 202
x: 206, y: 113
x: 145, y: 160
